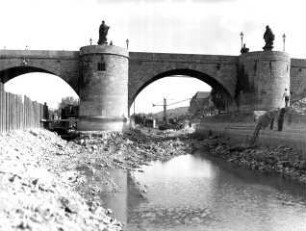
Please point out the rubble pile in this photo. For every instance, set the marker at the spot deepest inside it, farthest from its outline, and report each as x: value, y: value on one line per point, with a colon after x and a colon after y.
x: 48, y: 183
x: 279, y: 160
x: 300, y: 106
x: 36, y: 186
x: 131, y: 149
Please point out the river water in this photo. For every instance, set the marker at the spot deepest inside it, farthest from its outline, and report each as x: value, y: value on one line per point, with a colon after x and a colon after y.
x: 197, y: 193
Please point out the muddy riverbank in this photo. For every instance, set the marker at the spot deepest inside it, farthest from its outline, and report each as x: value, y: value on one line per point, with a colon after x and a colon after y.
x: 278, y: 160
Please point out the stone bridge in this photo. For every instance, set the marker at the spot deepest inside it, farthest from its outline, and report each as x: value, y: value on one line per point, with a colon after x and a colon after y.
x: 104, y: 76
x: 144, y: 68
x: 215, y: 70
x: 64, y: 64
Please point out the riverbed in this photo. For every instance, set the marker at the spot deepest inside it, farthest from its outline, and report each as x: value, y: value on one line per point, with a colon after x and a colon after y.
x: 197, y: 192
x: 150, y: 180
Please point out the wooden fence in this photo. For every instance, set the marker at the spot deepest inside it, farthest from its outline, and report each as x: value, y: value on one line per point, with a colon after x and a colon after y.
x: 18, y: 112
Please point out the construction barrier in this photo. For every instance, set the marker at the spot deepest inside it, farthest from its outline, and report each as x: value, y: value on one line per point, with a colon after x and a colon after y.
x: 18, y: 112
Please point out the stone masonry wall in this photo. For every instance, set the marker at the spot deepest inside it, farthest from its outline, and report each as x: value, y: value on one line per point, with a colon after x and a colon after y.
x: 268, y: 74
x: 103, y: 86
x: 298, y: 78
x: 145, y: 68
x: 64, y: 64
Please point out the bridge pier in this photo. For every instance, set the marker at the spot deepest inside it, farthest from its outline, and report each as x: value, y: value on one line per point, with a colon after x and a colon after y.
x: 262, y: 79
x: 103, y: 88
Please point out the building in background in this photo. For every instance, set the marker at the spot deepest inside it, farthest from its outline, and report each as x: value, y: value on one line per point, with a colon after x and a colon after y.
x: 201, y: 105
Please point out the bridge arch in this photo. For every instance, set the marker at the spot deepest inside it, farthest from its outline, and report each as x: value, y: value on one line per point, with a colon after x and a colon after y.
x: 134, y: 90
x: 12, y: 72
x: 64, y: 64
x: 15, y: 71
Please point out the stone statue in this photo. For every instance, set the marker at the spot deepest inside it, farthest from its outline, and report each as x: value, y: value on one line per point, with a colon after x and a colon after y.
x: 103, y: 30
x: 269, y: 38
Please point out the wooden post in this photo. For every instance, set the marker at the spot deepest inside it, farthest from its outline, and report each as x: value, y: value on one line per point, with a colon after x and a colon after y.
x: 1, y: 107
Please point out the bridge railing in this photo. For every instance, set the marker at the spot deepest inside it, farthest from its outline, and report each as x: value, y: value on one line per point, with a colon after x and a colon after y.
x: 18, y: 112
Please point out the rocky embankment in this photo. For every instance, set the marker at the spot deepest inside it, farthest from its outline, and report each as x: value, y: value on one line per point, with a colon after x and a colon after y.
x: 48, y: 183
x: 279, y: 160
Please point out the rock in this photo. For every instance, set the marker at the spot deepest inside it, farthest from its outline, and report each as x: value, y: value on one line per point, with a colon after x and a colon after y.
x: 68, y: 206
x: 108, y: 211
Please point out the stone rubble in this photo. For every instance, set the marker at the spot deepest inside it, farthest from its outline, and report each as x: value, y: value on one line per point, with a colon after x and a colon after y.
x: 37, y: 181
x: 279, y: 160
x: 43, y: 185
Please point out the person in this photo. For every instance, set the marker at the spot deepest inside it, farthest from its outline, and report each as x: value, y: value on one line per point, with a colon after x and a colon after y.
x: 264, y: 121
x: 103, y: 30
x: 45, y: 111
x: 287, y: 97
x: 281, y: 117
x: 45, y: 118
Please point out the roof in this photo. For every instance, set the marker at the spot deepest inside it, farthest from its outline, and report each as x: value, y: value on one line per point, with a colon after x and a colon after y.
x: 202, y: 95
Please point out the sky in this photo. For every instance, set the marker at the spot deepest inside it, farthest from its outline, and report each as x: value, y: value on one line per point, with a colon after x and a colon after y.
x: 166, y: 26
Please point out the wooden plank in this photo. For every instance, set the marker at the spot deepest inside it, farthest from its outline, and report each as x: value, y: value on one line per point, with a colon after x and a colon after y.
x: 7, y: 111
x: 18, y: 112
x: 4, y: 111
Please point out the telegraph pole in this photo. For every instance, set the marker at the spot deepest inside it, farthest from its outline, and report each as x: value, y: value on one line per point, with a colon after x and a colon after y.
x: 164, y: 105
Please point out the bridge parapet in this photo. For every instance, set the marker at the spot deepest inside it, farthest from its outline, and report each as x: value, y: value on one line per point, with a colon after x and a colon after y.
x: 189, y: 58
x: 39, y: 54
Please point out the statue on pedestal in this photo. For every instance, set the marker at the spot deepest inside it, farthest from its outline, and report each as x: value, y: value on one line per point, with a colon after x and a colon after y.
x: 244, y: 49
x: 269, y: 38
x: 103, y: 30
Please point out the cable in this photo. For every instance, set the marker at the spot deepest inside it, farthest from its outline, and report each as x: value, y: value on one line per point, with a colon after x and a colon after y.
x: 178, y: 102
x: 154, y: 105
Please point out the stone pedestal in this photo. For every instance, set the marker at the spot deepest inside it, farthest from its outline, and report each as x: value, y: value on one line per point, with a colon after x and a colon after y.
x: 103, y: 88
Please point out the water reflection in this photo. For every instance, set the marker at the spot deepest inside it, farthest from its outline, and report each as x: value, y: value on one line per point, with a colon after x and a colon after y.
x: 195, y: 193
